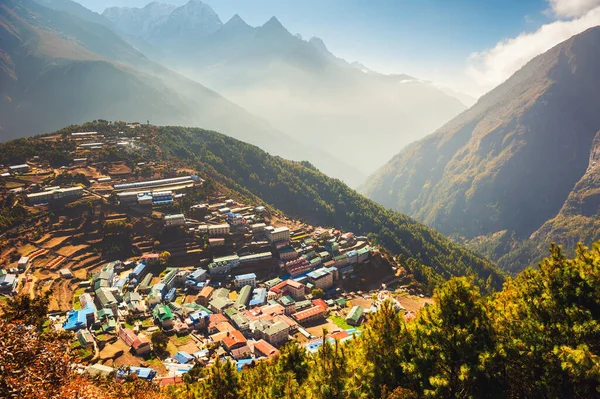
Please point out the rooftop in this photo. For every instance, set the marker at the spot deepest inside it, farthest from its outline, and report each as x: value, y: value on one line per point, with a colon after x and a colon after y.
x: 245, y: 276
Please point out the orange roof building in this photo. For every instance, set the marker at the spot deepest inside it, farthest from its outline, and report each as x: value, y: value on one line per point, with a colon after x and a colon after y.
x: 263, y: 348
x: 310, y: 314
x: 234, y: 339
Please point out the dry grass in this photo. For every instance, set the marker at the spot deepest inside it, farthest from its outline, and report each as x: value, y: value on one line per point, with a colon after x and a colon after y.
x: 71, y: 249
x: 55, y: 242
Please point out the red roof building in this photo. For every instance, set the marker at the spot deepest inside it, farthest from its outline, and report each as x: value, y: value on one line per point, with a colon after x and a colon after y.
x: 263, y: 348
x: 234, y: 339
x: 310, y: 314
x: 290, y: 287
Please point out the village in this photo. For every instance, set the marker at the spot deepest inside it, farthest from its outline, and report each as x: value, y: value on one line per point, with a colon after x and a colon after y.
x: 209, y: 277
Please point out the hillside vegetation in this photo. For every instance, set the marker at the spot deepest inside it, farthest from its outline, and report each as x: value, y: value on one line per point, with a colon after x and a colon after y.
x: 511, y: 161
x: 301, y: 191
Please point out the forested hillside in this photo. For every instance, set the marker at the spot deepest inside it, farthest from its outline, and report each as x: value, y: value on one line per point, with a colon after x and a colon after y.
x: 508, y: 165
x: 302, y: 191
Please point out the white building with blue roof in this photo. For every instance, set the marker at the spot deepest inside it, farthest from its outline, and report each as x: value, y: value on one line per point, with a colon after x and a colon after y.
x: 245, y: 279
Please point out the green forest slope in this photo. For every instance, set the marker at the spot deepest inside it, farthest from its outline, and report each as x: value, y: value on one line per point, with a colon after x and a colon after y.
x: 301, y: 191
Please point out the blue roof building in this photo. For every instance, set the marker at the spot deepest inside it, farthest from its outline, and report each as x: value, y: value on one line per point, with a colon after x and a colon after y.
x: 199, y: 317
x: 82, y: 318
x: 245, y: 279
x: 171, y: 295
x: 144, y: 373
x: 198, y: 275
x: 259, y: 297
x: 160, y: 287
x: 139, y: 271
x: 183, y: 357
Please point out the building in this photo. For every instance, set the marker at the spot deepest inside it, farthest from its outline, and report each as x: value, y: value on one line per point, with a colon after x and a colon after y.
x: 144, y: 199
x: 199, y: 211
x: 219, y: 304
x: 245, y: 279
x: 127, y: 336
x: 355, y: 316
x: 84, y: 299
x: 65, y: 273
x: 234, y: 339
x: 83, y: 135
x: 297, y: 266
x: 23, y: 263
x: 55, y: 194
x: 321, y: 278
x: 341, y: 260
x: 141, y: 346
x: 127, y: 198
x: 259, y: 297
x: 309, y: 315
x: 82, y: 318
x: 259, y: 257
x: 197, y: 279
x: 199, y: 319
x: 162, y: 198
x: 150, y: 259
x: 106, y: 300
x: 277, y: 333
x: 243, y: 297
x: 174, y: 220
x: 216, y: 230
x: 204, y: 295
x: 155, y: 183
x: 162, y: 315
x: 288, y: 303
x: 85, y: 338
x: 223, y: 265
x: 235, y: 219
x: 263, y: 348
x: 99, y: 369
x: 363, y: 254
x: 144, y: 373
x: 183, y: 357
x: 290, y: 287
x: 18, y: 169
x: 287, y: 253
x: 258, y: 228
x: 278, y: 234
x: 139, y: 271
x: 272, y: 283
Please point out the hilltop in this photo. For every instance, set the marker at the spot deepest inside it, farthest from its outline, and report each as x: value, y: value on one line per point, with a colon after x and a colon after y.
x: 507, y: 175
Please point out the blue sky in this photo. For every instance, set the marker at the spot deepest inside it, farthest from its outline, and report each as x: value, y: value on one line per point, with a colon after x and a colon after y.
x: 430, y: 39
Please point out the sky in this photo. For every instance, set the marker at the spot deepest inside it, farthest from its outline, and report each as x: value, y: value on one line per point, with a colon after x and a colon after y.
x: 467, y: 45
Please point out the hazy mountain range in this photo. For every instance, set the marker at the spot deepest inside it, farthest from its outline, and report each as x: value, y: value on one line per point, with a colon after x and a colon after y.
x: 516, y: 171
x: 60, y: 67
x: 297, y: 85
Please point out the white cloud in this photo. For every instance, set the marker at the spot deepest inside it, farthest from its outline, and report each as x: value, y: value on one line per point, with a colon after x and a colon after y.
x: 572, y: 8
x: 489, y: 68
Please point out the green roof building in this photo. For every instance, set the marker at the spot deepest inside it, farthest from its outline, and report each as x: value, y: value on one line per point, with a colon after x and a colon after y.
x: 355, y: 316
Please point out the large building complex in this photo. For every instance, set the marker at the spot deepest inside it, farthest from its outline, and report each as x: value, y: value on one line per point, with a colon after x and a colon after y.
x: 55, y: 194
